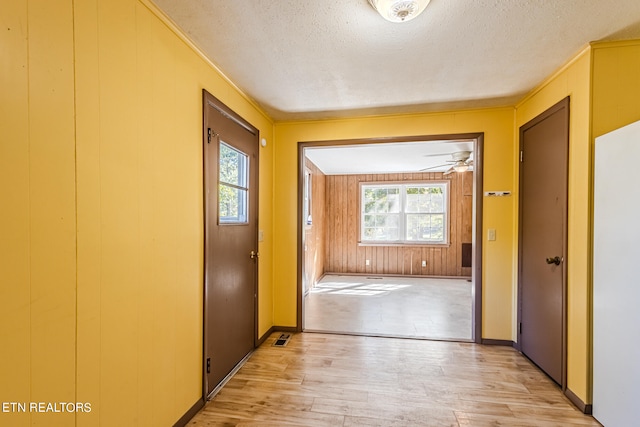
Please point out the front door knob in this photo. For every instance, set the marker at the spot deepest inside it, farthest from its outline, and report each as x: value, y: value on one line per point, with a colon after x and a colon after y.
x: 555, y: 260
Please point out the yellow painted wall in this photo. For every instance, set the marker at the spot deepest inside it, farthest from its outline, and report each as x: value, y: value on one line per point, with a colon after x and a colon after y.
x: 37, y: 212
x: 499, y: 255
x: 574, y: 81
x: 616, y: 85
x: 101, y: 220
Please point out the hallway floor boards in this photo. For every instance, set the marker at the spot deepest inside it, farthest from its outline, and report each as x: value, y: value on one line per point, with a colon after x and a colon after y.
x: 341, y: 380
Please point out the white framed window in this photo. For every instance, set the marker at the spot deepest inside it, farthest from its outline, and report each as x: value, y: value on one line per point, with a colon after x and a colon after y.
x: 414, y: 212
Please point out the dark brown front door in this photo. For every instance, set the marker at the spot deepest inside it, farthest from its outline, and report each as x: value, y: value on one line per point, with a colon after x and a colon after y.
x: 544, y: 144
x: 231, y: 240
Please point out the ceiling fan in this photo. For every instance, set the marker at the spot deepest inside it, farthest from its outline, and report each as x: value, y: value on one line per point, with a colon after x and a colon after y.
x: 459, y: 163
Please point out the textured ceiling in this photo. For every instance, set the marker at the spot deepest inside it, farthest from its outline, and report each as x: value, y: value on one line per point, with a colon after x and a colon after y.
x: 311, y: 59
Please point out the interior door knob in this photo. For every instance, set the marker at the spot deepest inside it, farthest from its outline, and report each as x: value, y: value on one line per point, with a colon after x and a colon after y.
x: 555, y: 260
x: 254, y: 255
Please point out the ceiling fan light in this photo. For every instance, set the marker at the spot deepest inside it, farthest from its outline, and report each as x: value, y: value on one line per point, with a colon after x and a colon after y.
x: 461, y: 167
x: 399, y: 10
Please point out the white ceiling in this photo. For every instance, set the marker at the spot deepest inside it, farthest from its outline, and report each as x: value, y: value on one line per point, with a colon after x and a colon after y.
x: 396, y: 157
x: 313, y: 59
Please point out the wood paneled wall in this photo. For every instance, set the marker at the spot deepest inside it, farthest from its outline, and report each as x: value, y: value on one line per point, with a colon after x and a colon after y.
x: 315, y: 233
x: 343, y: 253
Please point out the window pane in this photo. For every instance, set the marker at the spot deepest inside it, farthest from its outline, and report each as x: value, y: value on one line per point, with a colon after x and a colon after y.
x: 369, y: 206
x: 369, y: 220
x: 383, y: 227
x: 425, y: 227
x: 232, y: 189
x: 437, y: 227
x: 381, y: 199
x: 417, y: 202
x: 386, y: 200
x: 383, y: 234
x: 416, y: 227
x: 369, y: 195
x: 232, y: 204
x: 393, y: 234
x: 380, y: 193
x: 428, y: 198
x: 393, y: 201
x: 233, y: 166
x: 381, y: 220
x: 437, y: 203
x: 368, y: 233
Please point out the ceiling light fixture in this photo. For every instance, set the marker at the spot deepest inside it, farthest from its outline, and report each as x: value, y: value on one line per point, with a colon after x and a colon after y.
x: 461, y: 167
x: 399, y: 10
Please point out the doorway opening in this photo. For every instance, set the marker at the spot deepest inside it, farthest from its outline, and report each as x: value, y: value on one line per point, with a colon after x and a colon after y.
x: 371, y: 232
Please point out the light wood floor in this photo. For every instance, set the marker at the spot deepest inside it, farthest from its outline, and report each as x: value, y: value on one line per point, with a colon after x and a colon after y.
x: 415, y: 307
x: 341, y: 380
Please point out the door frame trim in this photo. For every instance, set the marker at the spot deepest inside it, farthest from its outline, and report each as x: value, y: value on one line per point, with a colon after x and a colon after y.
x: 565, y: 104
x: 476, y: 271
x: 209, y: 100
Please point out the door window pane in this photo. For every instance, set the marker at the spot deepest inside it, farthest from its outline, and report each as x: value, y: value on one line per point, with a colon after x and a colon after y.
x: 233, y: 186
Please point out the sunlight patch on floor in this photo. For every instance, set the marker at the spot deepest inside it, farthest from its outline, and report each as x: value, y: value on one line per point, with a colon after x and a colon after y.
x: 357, y: 288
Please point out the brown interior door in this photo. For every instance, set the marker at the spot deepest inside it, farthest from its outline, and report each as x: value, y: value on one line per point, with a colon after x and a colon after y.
x: 231, y: 240
x: 543, y: 218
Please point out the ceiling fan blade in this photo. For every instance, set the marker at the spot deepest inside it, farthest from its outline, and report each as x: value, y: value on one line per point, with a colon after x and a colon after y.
x: 437, y: 154
x: 432, y: 167
x: 449, y: 171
